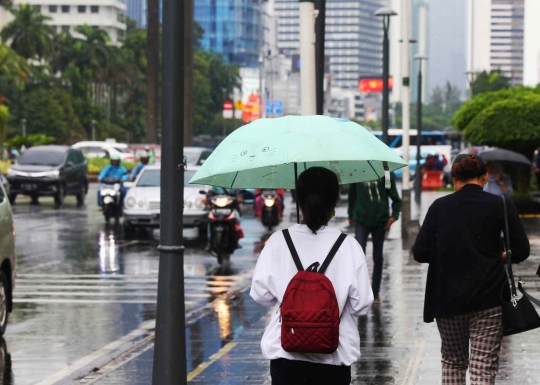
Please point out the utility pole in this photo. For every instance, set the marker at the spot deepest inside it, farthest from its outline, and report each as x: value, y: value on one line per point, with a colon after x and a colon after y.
x: 418, y: 171
x: 188, y: 72
x: 23, y: 121
x: 308, y: 100
x: 170, y: 343
x: 152, y: 78
x: 93, y: 125
x: 320, y: 27
x: 405, y: 99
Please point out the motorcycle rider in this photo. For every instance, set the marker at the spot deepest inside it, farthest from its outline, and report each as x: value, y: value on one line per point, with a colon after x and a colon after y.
x: 117, y: 171
x: 145, y: 158
x: 236, y: 207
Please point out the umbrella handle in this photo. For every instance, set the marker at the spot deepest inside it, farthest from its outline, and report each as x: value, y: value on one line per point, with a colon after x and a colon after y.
x: 296, y: 188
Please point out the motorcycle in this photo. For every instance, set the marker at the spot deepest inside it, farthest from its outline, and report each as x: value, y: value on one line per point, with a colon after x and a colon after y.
x: 225, y: 230
x: 111, y: 195
x: 269, y: 215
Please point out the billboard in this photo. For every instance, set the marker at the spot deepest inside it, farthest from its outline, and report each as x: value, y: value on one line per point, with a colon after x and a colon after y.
x: 373, y: 85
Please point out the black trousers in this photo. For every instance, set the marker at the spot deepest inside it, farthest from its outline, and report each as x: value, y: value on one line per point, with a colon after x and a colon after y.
x: 289, y: 372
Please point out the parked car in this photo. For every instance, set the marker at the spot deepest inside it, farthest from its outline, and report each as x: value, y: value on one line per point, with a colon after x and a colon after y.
x: 8, y: 259
x: 104, y: 150
x: 4, y: 182
x: 138, y: 149
x: 142, y: 203
x: 196, y: 155
x: 55, y: 171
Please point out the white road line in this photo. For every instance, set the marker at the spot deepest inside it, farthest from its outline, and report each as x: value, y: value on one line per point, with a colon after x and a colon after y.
x: 122, y: 276
x: 68, y: 294
x: 21, y: 288
x: 93, y: 282
x: 79, y: 364
x: 79, y: 301
x: 41, y: 265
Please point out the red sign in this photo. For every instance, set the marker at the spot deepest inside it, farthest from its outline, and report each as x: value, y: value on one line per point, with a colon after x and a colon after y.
x: 251, y: 109
x: 228, y: 105
x: 369, y: 85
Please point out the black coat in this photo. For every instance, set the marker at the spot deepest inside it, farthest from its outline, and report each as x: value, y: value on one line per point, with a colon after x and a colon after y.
x: 461, y: 240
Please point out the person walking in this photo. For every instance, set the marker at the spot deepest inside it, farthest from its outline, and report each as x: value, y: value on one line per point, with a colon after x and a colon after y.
x: 317, y: 193
x: 369, y: 213
x: 498, y: 183
x: 460, y: 240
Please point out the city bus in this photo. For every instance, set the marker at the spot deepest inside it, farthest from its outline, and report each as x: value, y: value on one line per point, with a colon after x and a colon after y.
x: 429, y: 138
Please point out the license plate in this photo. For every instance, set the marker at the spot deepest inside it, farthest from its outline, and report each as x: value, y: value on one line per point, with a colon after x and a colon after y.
x: 222, y: 211
x: 268, y: 192
x: 29, y: 186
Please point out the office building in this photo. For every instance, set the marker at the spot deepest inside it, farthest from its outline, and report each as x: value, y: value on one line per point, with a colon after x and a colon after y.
x: 503, y: 35
x: 232, y: 28
x: 66, y: 16
x: 353, y: 41
x: 137, y: 10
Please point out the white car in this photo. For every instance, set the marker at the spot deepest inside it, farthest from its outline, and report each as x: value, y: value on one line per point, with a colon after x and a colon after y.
x: 8, y: 259
x: 195, y: 156
x: 104, y: 150
x: 142, y: 203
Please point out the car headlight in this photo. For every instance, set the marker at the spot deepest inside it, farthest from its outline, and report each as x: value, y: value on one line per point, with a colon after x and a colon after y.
x: 188, y: 204
x: 200, y: 203
x: 131, y: 202
x: 55, y: 173
x: 11, y: 172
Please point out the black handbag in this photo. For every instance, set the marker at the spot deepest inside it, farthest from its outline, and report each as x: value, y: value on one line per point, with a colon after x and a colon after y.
x: 518, y: 314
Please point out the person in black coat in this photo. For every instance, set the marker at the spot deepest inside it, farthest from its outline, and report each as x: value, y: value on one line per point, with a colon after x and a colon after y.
x: 461, y: 240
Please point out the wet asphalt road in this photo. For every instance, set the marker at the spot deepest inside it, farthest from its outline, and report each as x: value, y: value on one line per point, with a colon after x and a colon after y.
x: 80, y: 285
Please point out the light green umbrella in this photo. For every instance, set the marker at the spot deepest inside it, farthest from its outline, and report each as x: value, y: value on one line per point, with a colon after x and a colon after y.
x: 270, y: 153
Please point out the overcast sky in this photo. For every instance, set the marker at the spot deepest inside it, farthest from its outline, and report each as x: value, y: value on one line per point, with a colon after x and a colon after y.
x: 447, y: 29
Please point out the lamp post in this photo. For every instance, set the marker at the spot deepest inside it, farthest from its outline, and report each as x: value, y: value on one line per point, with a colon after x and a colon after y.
x: 470, y: 78
x: 93, y: 125
x: 385, y: 13
x: 308, y: 100
x: 320, y: 22
x: 23, y: 121
x: 418, y: 175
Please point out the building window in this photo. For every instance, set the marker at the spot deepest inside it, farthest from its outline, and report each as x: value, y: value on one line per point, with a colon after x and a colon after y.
x: 65, y: 8
x: 94, y: 8
x: 53, y: 8
x: 82, y: 8
x: 65, y: 28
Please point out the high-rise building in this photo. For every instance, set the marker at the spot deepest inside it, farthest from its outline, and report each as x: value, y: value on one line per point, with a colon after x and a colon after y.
x: 232, y: 28
x: 496, y: 37
x: 137, y: 11
x: 353, y: 41
x: 66, y: 16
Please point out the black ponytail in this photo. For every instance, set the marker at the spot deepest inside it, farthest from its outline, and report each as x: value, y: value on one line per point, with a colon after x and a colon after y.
x: 317, y: 194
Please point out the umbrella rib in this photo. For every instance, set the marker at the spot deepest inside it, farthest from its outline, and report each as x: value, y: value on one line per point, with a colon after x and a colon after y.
x: 234, y: 180
x: 369, y: 162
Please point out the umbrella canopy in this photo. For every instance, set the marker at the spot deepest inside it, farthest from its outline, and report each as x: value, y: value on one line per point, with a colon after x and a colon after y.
x: 264, y: 153
x: 505, y: 156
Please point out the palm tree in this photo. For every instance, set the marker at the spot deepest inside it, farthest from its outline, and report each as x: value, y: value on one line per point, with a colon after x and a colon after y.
x: 13, y: 66
x: 28, y: 34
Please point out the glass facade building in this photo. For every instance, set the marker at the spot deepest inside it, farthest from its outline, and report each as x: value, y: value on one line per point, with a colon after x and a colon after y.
x: 232, y: 28
x: 136, y: 10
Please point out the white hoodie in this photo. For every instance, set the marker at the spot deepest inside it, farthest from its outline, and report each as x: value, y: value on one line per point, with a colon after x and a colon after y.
x: 347, y: 272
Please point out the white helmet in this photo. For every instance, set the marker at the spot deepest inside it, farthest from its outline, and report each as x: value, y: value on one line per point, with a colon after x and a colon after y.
x: 145, y: 154
x: 114, y: 157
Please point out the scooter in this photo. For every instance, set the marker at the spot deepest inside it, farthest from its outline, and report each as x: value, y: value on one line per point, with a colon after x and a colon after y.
x: 269, y: 215
x: 225, y: 230
x: 111, y: 197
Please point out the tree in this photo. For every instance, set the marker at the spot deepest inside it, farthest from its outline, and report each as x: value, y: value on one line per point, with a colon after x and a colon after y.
x: 13, y: 66
x: 28, y: 34
x: 152, y: 46
x: 4, y: 118
x: 489, y: 82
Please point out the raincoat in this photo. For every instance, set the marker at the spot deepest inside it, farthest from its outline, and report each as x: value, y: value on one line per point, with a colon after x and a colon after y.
x: 118, y: 172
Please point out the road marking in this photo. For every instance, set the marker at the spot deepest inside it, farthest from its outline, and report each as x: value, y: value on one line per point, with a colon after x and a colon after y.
x: 108, y: 349
x: 112, y: 294
x: 87, y: 301
x: 216, y: 278
x: 220, y: 353
x: 414, y: 363
x: 152, y: 288
x: 44, y: 264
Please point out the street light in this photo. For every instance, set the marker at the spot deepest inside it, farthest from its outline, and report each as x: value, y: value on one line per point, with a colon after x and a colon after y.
x: 93, y: 125
x: 418, y: 176
x: 23, y: 121
x: 470, y: 79
x: 385, y: 13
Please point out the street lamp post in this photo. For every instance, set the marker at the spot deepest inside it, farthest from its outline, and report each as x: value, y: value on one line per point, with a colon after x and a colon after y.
x: 23, y: 121
x: 385, y: 13
x: 308, y: 99
x: 470, y: 79
x: 418, y: 174
x: 93, y: 125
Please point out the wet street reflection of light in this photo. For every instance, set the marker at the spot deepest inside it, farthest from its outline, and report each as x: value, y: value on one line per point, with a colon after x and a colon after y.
x: 224, y: 317
x: 108, y: 261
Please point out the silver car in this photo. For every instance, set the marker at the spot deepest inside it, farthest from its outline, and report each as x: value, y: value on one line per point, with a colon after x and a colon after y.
x: 8, y: 259
x: 142, y: 203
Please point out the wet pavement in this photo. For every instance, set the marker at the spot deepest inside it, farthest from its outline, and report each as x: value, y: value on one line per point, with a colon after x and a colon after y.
x: 85, y: 305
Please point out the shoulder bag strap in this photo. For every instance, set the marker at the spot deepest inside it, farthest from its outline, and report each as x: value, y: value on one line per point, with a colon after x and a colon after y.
x: 292, y: 249
x: 332, y: 253
x: 508, y: 249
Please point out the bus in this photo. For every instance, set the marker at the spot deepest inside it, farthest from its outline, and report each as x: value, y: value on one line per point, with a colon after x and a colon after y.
x: 429, y: 138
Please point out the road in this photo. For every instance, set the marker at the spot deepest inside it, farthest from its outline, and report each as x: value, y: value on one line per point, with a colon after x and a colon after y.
x: 81, y: 285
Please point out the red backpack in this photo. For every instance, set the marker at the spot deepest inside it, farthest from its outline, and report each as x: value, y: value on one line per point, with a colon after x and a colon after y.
x: 309, y: 311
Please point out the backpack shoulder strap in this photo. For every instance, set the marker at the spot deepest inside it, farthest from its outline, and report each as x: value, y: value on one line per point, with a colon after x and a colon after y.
x: 292, y: 249
x: 332, y: 252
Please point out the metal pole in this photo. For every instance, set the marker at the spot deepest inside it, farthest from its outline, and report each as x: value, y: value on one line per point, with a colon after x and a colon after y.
x: 93, y: 124
x: 418, y: 175
x: 188, y: 71
x: 320, y: 26
x: 170, y: 345
x: 262, y: 113
x: 23, y: 121
x: 308, y: 99
x: 386, y: 70
x: 405, y: 99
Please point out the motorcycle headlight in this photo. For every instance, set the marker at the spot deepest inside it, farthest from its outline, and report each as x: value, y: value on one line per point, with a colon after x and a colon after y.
x: 222, y: 201
x: 200, y: 203
x: 131, y: 202
x: 269, y: 202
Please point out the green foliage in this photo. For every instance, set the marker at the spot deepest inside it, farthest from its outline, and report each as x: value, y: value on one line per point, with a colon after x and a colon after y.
x: 4, y: 118
x: 489, y: 82
x: 96, y: 165
x: 30, y: 140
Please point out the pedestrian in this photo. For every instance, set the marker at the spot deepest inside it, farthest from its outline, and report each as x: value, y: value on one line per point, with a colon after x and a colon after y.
x: 369, y: 213
x: 430, y: 163
x: 460, y: 239
x: 317, y: 193
x: 498, y: 183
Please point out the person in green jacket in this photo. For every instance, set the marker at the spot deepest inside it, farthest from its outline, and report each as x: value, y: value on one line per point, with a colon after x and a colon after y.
x: 369, y: 213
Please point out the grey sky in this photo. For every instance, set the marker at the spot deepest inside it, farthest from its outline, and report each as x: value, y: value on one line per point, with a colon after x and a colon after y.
x: 447, y: 29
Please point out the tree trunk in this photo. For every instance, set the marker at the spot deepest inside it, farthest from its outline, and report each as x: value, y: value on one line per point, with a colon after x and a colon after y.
x: 152, y: 49
x: 188, y: 73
